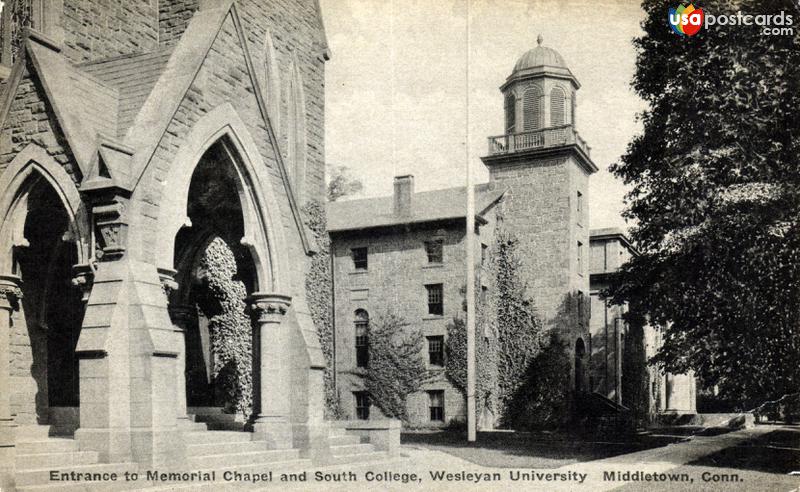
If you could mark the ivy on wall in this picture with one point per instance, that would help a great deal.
(319, 293)
(396, 366)
(485, 363)
(222, 300)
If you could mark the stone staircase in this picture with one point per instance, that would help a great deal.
(347, 448)
(207, 450)
(38, 454)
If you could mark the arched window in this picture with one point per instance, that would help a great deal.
(362, 338)
(558, 107)
(296, 132)
(511, 112)
(272, 81)
(532, 108)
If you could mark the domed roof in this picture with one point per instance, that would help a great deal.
(540, 56)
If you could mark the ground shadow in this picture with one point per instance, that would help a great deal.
(775, 452)
(531, 449)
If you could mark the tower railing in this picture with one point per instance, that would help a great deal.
(537, 139)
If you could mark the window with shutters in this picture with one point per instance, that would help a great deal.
(511, 112)
(557, 107)
(532, 109)
(362, 338)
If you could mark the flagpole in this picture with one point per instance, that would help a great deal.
(470, 245)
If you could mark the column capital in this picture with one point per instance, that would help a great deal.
(82, 279)
(167, 278)
(269, 307)
(10, 291)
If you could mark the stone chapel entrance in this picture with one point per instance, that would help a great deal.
(48, 323)
(215, 274)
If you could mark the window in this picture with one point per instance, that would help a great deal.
(436, 351)
(434, 250)
(579, 205)
(362, 338)
(511, 112)
(484, 293)
(580, 258)
(557, 107)
(532, 109)
(436, 399)
(484, 250)
(362, 404)
(435, 306)
(360, 261)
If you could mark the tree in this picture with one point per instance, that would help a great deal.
(396, 367)
(341, 183)
(715, 178)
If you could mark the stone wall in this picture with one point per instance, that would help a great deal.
(95, 29)
(395, 280)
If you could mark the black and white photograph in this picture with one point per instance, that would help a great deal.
(401, 245)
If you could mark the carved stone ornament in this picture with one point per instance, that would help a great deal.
(269, 307)
(10, 290)
(83, 278)
(168, 283)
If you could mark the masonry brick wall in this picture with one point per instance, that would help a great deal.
(395, 281)
(95, 29)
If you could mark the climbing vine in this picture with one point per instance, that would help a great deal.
(396, 367)
(319, 288)
(222, 301)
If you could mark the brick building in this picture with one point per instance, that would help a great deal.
(404, 254)
(133, 135)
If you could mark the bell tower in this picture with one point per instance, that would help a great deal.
(546, 166)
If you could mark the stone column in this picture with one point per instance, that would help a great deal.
(10, 295)
(182, 317)
(272, 367)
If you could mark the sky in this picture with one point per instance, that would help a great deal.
(402, 97)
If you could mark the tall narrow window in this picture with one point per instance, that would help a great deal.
(579, 204)
(434, 250)
(435, 304)
(296, 133)
(272, 82)
(362, 338)
(436, 351)
(436, 405)
(580, 258)
(511, 112)
(362, 404)
(484, 253)
(532, 108)
(360, 258)
(557, 107)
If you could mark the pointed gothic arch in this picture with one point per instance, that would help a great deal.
(263, 233)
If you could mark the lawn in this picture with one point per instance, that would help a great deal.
(529, 450)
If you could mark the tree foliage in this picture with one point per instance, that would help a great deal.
(396, 367)
(341, 183)
(319, 291)
(222, 301)
(714, 194)
(485, 362)
(520, 334)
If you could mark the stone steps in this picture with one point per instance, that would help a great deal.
(51, 445)
(52, 460)
(216, 437)
(358, 458)
(236, 459)
(344, 440)
(224, 447)
(349, 449)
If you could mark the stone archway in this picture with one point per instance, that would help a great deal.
(42, 240)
